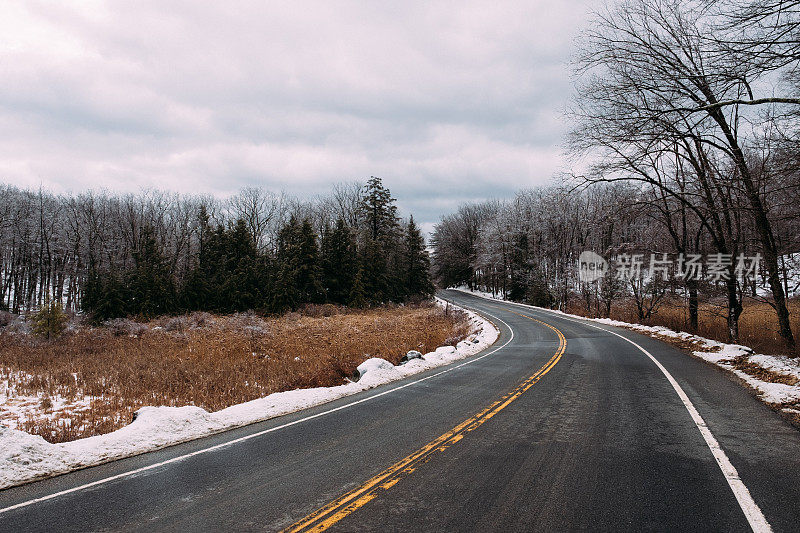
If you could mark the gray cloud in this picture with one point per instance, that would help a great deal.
(446, 101)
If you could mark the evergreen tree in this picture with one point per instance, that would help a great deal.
(105, 295)
(50, 321)
(243, 285)
(197, 288)
(91, 289)
(231, 275)
(537, 292)
(417, 279)
(339, 262)
(374, 272)
(114, 300)
(379, 246)
(519, 267)
(285, 293)
(357, 296)
(373, 263)
(197, 291)
(378, 212)
(150, 284)
(308, 282)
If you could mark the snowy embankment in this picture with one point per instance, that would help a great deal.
(25, 457)
(733, 357)
(780, 386)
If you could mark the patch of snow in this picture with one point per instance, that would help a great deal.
(483, 294)
(778, 363)
(25, 457)
(775, 393)
(15, 407)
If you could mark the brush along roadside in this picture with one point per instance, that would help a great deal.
(24, 457)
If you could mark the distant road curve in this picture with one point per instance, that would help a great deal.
(561, 425)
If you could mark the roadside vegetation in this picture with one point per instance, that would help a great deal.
(189, 300)
(684, 141)
(155, 253)
(91, 380)
(756, 323)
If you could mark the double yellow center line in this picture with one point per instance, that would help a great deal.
(330, 514)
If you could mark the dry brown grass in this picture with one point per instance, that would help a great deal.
(757, 324)
(764, 374)
(228, 360)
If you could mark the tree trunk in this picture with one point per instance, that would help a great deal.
(764, 229)
(734, 310)
(693, 305)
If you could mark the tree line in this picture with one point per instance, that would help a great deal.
(157, 253)
(684, 128)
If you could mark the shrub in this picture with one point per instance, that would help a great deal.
(19, 326)
(243, 358)
(176, 323)
(50, 321)
(6, 318)
(200, 319)
(125, 326)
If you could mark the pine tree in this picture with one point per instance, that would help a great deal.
(243, 286)
(308, 282)
(197, 288)
(378, 212)
(114, 299)
(50, 321)
(105, 295)
(150, 284)
(520, 268)
(379, 243)
(374, 274)
(537, 292)
(231, 275)
(285, 293)
(339, 261)
(357, 297)
(417, 279)
(91, 289)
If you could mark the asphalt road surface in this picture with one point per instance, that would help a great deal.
(559, 426)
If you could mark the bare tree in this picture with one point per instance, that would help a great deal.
(652, 74)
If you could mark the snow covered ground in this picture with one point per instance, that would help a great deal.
(482, 294)
(15, 406)
(25, 457)
(783, 389)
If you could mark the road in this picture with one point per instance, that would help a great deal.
(559, 426)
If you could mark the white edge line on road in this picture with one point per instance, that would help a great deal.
(257, 434)
(752, 512)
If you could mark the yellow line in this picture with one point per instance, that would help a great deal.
(325, 517)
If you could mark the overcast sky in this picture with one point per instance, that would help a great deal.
(446, 102)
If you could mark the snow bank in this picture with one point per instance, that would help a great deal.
(482, 294)
(25, 457)
(724, 355)
(720, 354)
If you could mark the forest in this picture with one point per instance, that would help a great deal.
(157, 253)
(684, 141)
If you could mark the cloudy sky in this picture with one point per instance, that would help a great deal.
(447, 102)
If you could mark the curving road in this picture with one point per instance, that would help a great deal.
(561, 425)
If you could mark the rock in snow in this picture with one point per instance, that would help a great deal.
(412, 354)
